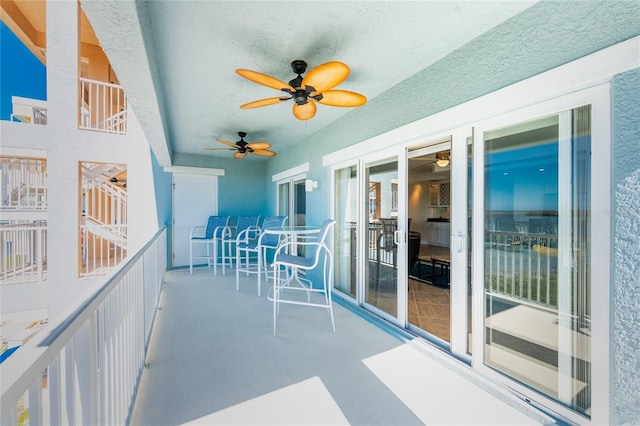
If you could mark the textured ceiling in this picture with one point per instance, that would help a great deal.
(194, 48)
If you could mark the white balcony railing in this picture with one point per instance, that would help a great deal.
(23, 253)
(84, 369)
(103, 107)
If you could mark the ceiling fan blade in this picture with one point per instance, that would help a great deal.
(259, 145)
(264, 152)
(218, 149)
(227, 143)
(239, 155)
(306, 111)
(342, 98)
(265, 80)
(326, 76)
(263, 102)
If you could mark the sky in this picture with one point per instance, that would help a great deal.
(524, 179)
(21, 73)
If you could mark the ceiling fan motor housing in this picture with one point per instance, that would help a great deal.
(299, 66)
(242, 145)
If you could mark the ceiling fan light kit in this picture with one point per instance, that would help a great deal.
(306, 91)
(443, 158)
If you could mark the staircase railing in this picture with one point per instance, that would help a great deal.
(85, 367)
(24, 183)
(103, 107)
(103, 232)
(104, 203)
(103, 248)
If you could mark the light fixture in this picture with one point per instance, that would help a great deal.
(310, 185)
(443, 158)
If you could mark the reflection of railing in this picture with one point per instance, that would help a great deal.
(86, 368)
(23, 253)
(523, 266)
(103, 107)
(381, 247)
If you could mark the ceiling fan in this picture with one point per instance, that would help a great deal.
(441, 158)
(306, 91)
(243, 148)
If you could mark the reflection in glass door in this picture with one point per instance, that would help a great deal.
(381, 266)
(346, 215)
(537, 232)
(292, 200)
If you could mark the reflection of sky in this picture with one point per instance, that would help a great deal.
(21, 73)
(522, 179)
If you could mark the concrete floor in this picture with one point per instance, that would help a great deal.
(213, 359)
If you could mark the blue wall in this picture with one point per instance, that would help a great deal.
(241, 191)
(21, 73)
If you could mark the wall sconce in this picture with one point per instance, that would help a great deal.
(309, 185)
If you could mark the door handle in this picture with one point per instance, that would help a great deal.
(396, 239)
(460, 237)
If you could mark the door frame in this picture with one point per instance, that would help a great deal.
(599, 99)
(201, 207)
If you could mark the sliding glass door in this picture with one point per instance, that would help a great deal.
(536, 254)
(292, 200)
(346, 236)
(395, 254)
(383, 236)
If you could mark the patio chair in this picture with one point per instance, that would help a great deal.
(230, 234)
(251, 253)
(212, 233)
(288, 289)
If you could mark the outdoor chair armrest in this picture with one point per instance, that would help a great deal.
(243, 236)
(196, 228)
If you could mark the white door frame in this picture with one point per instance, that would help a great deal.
(194, 198)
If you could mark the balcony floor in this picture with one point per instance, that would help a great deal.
(213, 359)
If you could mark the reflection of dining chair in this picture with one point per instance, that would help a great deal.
(230, 233)
(284, 289)
(386, 242)
(256, 249)
(212, 233)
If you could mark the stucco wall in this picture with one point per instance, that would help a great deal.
(625, 288)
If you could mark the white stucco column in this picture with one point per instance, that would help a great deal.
(62, 164)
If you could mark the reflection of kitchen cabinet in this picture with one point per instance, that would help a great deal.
(439, 194)
(438, 233)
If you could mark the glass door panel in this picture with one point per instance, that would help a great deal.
(346, 215)
(429, 257)
(381, 265)
(283, 198)
(536, 248)
(299, 204)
